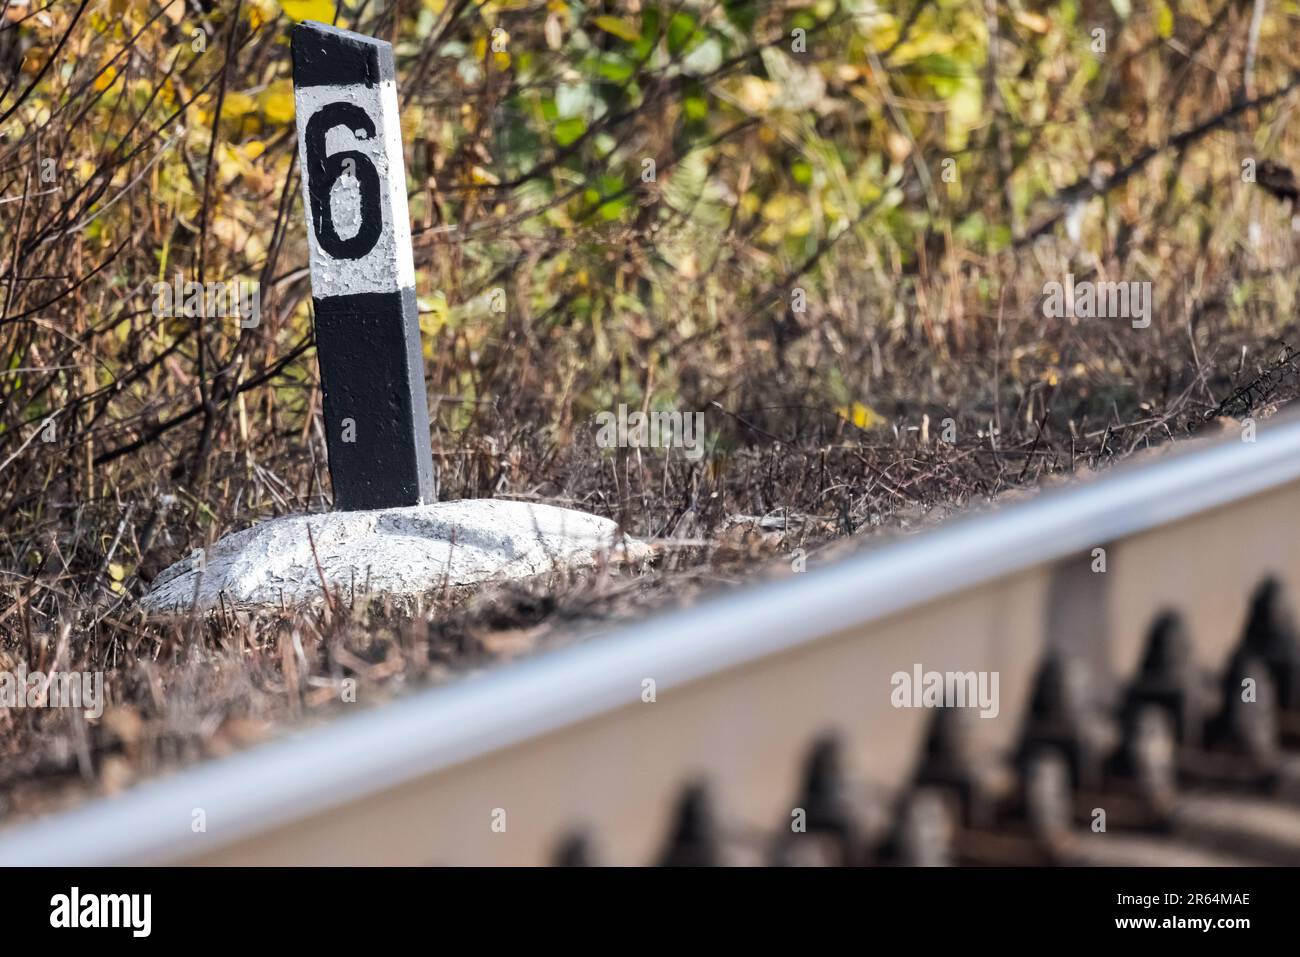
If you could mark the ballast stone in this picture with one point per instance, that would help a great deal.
(393, 551)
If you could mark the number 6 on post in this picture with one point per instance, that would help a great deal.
(362, 273)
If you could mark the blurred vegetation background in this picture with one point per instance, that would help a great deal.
(824, 223)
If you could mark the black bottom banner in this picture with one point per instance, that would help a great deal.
(336, 907)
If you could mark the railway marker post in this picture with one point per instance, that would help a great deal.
(386, 535)
(362, 271)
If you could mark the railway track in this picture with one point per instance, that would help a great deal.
(1141, 714)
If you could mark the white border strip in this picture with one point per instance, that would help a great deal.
(349, 758)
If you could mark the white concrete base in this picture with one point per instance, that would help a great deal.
(396, 552)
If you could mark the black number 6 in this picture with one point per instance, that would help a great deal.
(323, 171)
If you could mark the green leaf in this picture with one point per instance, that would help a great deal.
(615, 68)
(614, 208)
(743, 13)
(681, 28)
(649, 34)
(971, 229)
(618, 27)
(568, 131)
(695, 107)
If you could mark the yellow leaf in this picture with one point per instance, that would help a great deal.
(620, 28)
(105, 79)
(863, 416)
(1164, 20)
(434, 313)
(116, 571)
(276, 102)
(322, 10)
(230, 163)
(236, 105)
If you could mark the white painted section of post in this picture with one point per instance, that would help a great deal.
(389, 266)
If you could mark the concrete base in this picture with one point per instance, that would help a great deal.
(395, 552)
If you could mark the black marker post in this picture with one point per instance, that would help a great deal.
(362, 273)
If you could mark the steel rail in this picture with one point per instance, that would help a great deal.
(319, 768)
